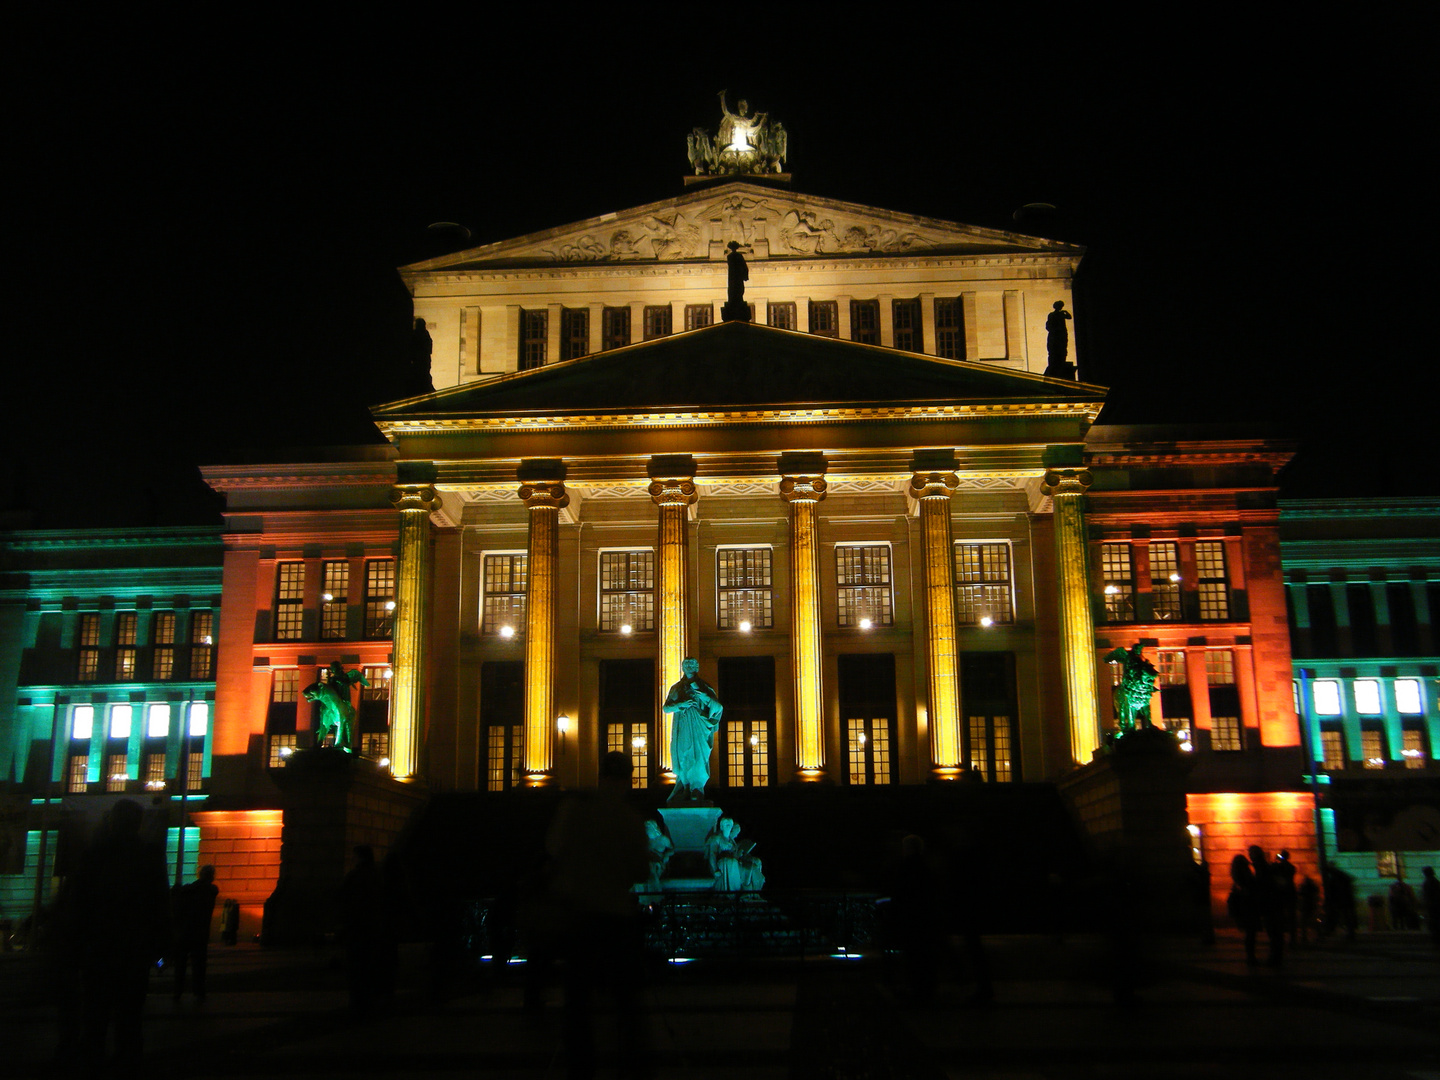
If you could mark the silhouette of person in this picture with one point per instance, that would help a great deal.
(1057, 341)
(1340, 907)
(194, 906)
(116, 917)
(1430, 896)
(1285, 893)
(598, 845)
(1269, 904)
(1308, 906)
(1242, 904)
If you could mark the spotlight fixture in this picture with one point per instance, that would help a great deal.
(744, 626)
(986, 620)
(507, 632)
(625, 628)
(865, 623)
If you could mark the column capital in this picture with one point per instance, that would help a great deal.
(544, 494)
(1066, 482)
(419, 497)
(933, 485)
(673, 491)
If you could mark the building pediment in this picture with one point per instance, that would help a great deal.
(766, 222)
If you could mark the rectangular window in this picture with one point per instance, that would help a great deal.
(1412, 748)
(199, 719)
(950, 329)
(1170, 663)
(657, 321)
(289, 601)
(862, 575)
(1174, 683)
(88, 641)
(157, 721)
(195, 774)
(631, 739)
(116, 773)
(781, 316)
(503, 611)
(1367, 697)
(375, 745)
(154, 772)
(1332, 750)
(534, 329)
(743, 587)
(1372, 749)
(982, 584)
(825, 318)
(1220, 667)
(202, 645)
(334, 599)
(1118, 571)
(615, 327)
(574, 333)
(281, 747)
(1407, 697)
(1214, 587)
(78, 774)
(990, 747)
(869, 750)
(865, 321)
(627, 591)
(747, 754)
(905, 315)
(285, 685)
(125, 651)
(698, 315)
(82, 722)
(502, 756)
(379, 598)
(1327, 697)
(162, 633)
(120, 721)
(1225, 733)
(1164, 582)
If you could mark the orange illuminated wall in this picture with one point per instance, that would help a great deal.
(244, 848)
(1231, 821)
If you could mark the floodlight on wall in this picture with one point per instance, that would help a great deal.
(744, 626)
(327, 597)
(389, 605)
(986, 620)
(507, 632)
(384, 763)
(865, 623)
(1175, 578)
(625, 628)
(562, 723)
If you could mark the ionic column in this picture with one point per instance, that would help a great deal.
(672, 489)
(412, 616)
(1067, 487)
(802, 485)
(933, 490)
(544, 493)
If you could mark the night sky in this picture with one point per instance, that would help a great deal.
(204, 239)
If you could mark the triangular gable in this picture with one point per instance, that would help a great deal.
(769, 223)
(738, 367)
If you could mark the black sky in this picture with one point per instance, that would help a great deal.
(204, 241)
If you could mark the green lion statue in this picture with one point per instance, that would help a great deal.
(1137, 684)
(337, 714)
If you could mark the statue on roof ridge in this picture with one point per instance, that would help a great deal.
(744, 144)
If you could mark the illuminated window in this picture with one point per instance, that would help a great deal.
(743, 589)
(1164, 582)
(503, 607)
(982, 584)
(905, 315)
(657, 321)
(162, 633)
(862, 575)
(990, 747)
(1407, 697)
(285, 685)
(120, 721)
(125, 651)
(502, 756)
(1225, 726)
(1372, 749)
(375, 745)
(116, 773)
(1170, 663)
(865, 321)
(82, 722)
(199, 719)
(195, 774)
(534, 329)
(202, 645)
(782, 316)
(1214, 587)
(377, 683)
(574, 333)
(157, 721)
(747, 753)
(1118, 572)
(614, 327)
(950, 329)
(1225, 733)
(88, 640)
(825, 318)
(1220, 667)
(289, 601)
(698, 315)
(334, 599)
(1367, 697)
(1412, 748)
(154, 771)
(627, 591)
(1327, 697)
(1332, 750)
(281, 747)
(868, 746)
(1174, 684)
(379, 598)
(78, 775)
(632, 739)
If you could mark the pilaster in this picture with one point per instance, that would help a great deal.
(672, 489)
(542, 487)
(802, 485)
(412, 618)
(1067, 488)
(932, 490)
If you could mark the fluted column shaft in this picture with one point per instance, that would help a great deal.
(673, 495)
(1077, 627)
(933, 490)
(803, 493)
(412, 617)
(544, 498)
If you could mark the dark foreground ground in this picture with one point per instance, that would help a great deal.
(1369, 1009)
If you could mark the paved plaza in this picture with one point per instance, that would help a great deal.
(1369, 1009)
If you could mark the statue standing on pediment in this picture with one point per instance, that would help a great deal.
(1057, 343)
(743, 144)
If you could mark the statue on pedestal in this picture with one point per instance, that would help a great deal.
(661, 852)
(1137, 683)
(744, 144)
(337, 714)
(735, 309)
(735, 869)
(1057, 343)
(696, 710)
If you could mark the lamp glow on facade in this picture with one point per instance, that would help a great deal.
(986, 620)
(562, 723)
(865, 623)
(507, 631)
(626, 628)
(744, 626)
(638, 742)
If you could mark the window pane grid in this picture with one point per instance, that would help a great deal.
(533, 332)
(982, 575)
(202, 648)
(1225, 733)
(748, 756)
(865, 321)
(632, 739)
(506, 580)
(1372, 749)
(1164, 582)
(335, 592)
(627, 590)
(825, 318)
(574, 333)
(863, 577)
(781, 316)
(698, 315)
(906, 315)
(1213, 586)
(281, 747)
(289, 600)
(1170, 663)
(615, 327)
(1332, 750)
(78, 775)
(116, 776)
(744, 588)
(379, 597)
(1412, 748)
(1117, 571)
(657, 321)
(285, 685)
(949, 329)
(1220, 667)
(88, 638)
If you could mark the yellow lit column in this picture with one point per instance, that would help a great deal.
(673, 494)
(544, 497)
(1067, 487)
(933, 490)
(412, 617)
(803, 491)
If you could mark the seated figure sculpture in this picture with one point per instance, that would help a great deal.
(731, 861)
(661, 849)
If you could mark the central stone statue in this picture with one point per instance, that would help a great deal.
(696, 710)
(744, 144)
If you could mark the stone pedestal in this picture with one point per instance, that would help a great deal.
(332, 801)
(688, 827)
